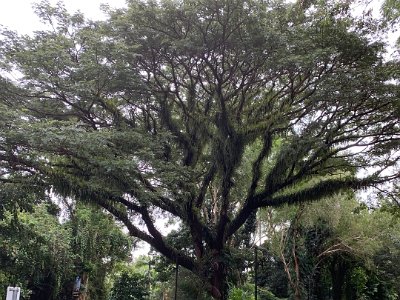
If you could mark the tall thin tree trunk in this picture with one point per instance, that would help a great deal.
(294, 281)
(338, 272)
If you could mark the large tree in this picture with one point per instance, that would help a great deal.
(199, 111)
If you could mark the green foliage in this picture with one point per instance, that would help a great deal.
(246, 292)
(240, 293)
(130, 286)
(358, 280)
(36, 254)
(391, 9)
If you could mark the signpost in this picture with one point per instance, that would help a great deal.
(13, 293)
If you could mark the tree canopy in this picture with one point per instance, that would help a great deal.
(198, 111)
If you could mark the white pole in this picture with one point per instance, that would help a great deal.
(13, 293)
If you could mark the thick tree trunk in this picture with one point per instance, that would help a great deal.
(219, 287)
(218, 281)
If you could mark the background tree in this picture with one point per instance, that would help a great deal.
(332, 250)
(35, 254)
(391, 10)
(97, 244)
(199, 111)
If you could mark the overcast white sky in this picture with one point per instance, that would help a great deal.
(18, 14)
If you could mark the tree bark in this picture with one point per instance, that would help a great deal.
(85, 282)
(218, 281)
